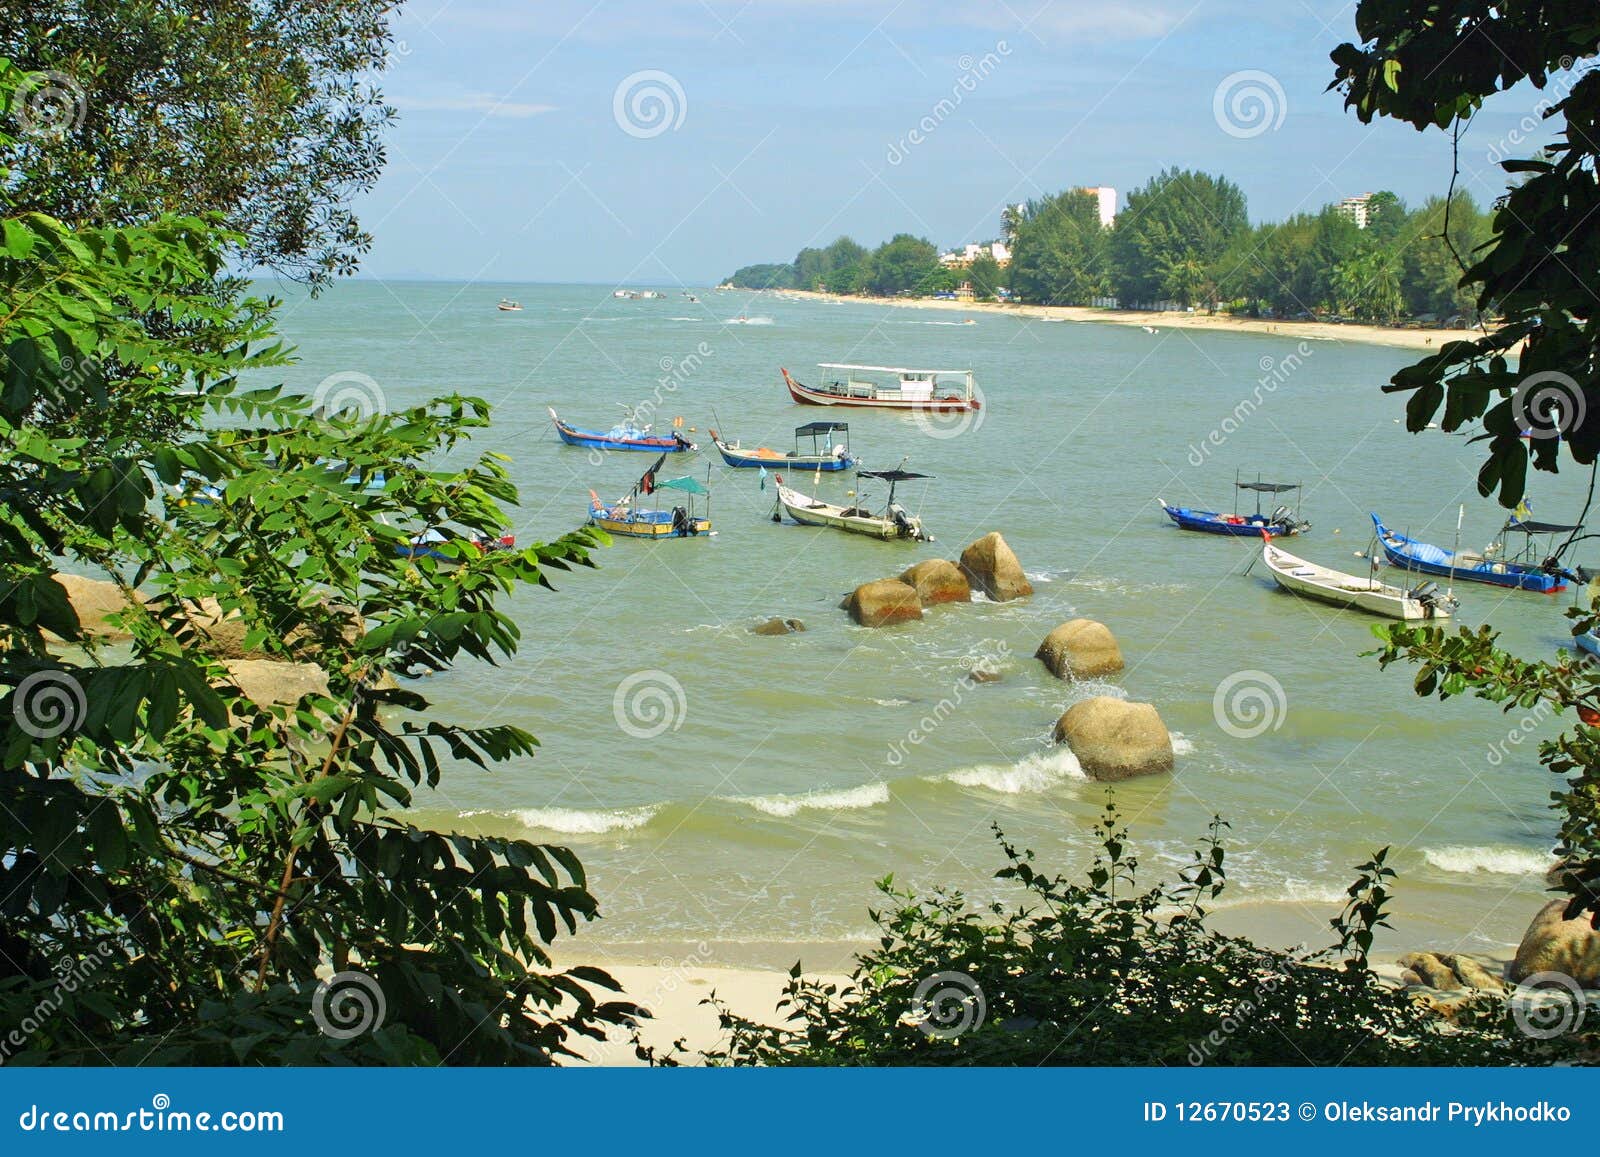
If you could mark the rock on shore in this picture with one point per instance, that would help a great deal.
(1114, 739)
(1555, 944)
(992, 567)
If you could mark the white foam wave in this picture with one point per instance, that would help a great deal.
(747, 321)
(893, 702)
(844, 799)
(1500, 861)
(1182, 744)
(1035, 772)
(576, 822)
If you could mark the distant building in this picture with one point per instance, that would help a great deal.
(967, 254)
(1106, 196)
(1357, 209)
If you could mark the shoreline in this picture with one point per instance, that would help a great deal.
(1422, 340)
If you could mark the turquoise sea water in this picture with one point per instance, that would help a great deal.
(732, 788)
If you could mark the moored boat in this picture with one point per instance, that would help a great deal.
(623, 436)
(923, 390)
(1308, 579)
(1281, 522)
(629, 518)
(508, 306)
(1409, 554)
(825, 454)
(446, 547)
(893, 522)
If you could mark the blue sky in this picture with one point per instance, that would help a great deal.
(519, 156)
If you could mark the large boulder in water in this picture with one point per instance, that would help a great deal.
(938, 580)
(94, 600)
(990, 566)
(881, 603)
(1115, 739)
(1553, 943)
(266, 681)
(1081, 649)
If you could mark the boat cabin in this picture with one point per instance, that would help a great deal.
(908, 385)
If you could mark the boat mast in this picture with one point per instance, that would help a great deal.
(1450, 587)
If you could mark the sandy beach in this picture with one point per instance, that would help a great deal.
(1412, 339)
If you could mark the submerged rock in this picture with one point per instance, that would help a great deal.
(1081, 649)
(1555, 944)
(267, 681)
(990, 566)
(882, 603)
(94, 600)
(1114, 739)
(938, 580)
(776, 626)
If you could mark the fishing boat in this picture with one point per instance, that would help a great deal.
(1523, 574)
(825, 452)
(923, 390)
(1299, 577)
(1588, 643)
(628, 517)
(509, 306)
(444, 546)
(891, 523)
(1281, 522)
(626, 435)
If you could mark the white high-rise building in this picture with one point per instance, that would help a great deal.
(1357, 209)
(1107, 198)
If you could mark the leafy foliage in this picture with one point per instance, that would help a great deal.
(1099, 972)
(1435, 68)
(216, 853)
(1060, 254)
(264, 112)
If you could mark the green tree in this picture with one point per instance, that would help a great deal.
(986, 276)
(1173, 230)
(770, 276)
(209, 851)
(902, 265)
(1438, 239)
(1059, 256)
(264, 112)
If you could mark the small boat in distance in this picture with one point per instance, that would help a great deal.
(1522, 573)
(1299, 577)
(508, 306)
(825, 453)
(626, 435)
(446, 547)
(1280, 523)
(894, 521)
(627, 517)
(923, 390)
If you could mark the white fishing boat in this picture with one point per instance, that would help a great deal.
(894, 521)
(936, 391)
(1370, 594)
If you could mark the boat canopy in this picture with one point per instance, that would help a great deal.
(889, 475)
(811, 429)
(685, 483)
(1540, 527)
(885, 369)
(1268, 487)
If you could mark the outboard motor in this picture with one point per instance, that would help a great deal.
(681, 523)
(902, 521)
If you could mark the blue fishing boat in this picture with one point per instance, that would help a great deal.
(1520, 571)
(1588, 643)
(1280, 522)
(623, 436)
(445, 546)
(826, 453)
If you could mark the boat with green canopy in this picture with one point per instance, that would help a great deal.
(628, 517)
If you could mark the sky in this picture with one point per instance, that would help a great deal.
(669, 142)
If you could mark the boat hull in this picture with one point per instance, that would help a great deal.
(809, 397)
(1402, 552)
(1210, 522)
(809, 512)
(592, 440)
(648, 524)
(828, 463)
(1588, 643)
(1352, 592)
